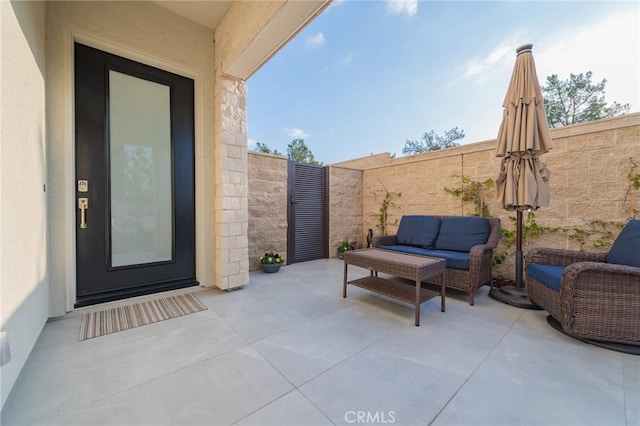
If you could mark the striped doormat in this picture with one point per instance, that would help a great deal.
(101, 323)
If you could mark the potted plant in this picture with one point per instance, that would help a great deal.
(345, 246)
(271, 262)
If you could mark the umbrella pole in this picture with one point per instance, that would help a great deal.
(519, 249)
(515, 295)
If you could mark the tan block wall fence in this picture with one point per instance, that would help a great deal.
(589, 164)
(345, 207)
(267, 206)
(267, 192)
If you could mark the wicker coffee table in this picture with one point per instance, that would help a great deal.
(412, 267)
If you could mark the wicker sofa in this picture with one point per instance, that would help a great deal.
(466, 243)
(591, 296)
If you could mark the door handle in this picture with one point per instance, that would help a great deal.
(292, 200)
(83, 205)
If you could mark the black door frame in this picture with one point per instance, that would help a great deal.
(146, 278)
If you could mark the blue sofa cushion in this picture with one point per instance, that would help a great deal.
(626, 248)
(462, 233)
(453, 259)
(418, 231)
(549, 275)
(405, 249)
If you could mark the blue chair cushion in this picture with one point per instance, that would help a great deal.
(626, 248)
(549, 275)
(453, 259)
(462, 233)
(418, 231)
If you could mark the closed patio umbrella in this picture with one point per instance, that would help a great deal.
(523, 182)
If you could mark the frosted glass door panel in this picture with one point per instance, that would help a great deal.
(140, 156)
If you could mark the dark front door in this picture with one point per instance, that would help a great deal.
(307, 214)
(135, 222)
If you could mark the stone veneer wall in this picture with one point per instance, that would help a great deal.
(345, 207)
(267, 206)
(231, 204)
(588, 163)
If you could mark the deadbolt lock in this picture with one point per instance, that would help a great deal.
(83, 186)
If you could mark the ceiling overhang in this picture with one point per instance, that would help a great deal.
(206, 13)
(282, 27)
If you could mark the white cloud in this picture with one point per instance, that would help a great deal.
(398, 7)
(316, 40)
(498, 54)
(295, 133)
(473, 69)
(347, 59)
(610, 49)
(334, 4)
(251, 143)
(496, 57)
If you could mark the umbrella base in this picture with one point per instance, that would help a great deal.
(513, 296)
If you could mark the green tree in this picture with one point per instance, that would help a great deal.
(432, 142)
(261, 147)
(576, 100)
(298, 151)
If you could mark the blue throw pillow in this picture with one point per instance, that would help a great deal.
(418, 231)
(462, 233)
(626, 248)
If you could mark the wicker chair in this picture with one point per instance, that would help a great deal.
(597, 300)
(480, 262)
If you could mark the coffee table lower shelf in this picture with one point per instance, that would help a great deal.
(417, 269)
(394, 289)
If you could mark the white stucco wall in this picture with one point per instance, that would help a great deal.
(24, 286)
(148, 33)
(37, 249)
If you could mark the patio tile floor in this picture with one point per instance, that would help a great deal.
(289, 350)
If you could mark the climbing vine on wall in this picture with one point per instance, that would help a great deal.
(473, 191)
(633, 188)
(530, 229)
(383, 212)
(596, 234)
(599, 234)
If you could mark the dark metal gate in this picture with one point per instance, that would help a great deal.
(308, 230)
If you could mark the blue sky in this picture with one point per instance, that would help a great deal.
(364, 76)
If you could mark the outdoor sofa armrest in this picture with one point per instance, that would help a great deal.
(494, 233)
(384, 240)
(601, 299)
(610, 278)
(560, 257)
(478, 251)
(480, 258)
